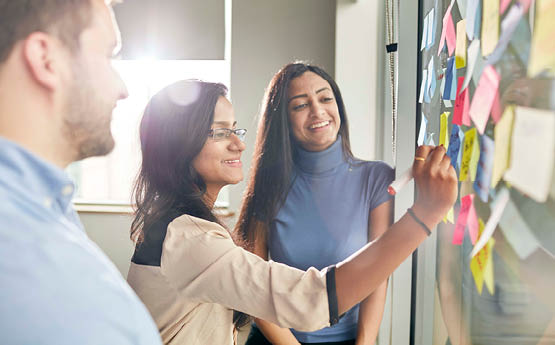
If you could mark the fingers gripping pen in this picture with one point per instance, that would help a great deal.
(400, 182)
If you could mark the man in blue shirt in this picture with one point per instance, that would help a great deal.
(57, 93)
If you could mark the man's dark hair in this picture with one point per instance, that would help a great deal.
(65, 19)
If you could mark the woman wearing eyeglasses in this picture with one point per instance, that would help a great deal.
(187, 268)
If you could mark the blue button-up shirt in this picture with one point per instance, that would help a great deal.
(56, 285)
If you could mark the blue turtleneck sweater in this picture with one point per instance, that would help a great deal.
(325, 219)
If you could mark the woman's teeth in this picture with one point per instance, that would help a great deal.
(319, 124)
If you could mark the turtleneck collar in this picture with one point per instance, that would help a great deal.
(320, 161)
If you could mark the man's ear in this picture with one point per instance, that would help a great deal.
(41, 53)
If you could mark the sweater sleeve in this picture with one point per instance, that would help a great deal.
(200, 259)
(379, 178)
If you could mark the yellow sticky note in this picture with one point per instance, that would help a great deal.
(460, 50)
(450, 216)
(481, 265)
(444, 130)
(502, 135)
(471, 155)
(542, 50)
(490, 26)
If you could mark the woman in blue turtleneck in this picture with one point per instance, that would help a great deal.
(309, 202)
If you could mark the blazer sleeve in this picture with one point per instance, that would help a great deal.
(202, 262)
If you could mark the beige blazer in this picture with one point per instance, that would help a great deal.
(203, 276)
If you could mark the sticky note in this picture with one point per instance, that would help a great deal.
(520, 41)
(431, 80)
(424, 42)
(472, 55)
(481, 265)
(460, 50)
(471, 13)
(462, 7)
(458, 234)
(508, 26)
(496, 108)
(431, 28)
(517, 232)
(430, 139)
(542, 51)
(485, 166)
(422, 132)
(478, 69)
(448, 78)
(490, 26)
(483, 98)
(447, 32)
(471, 155)
(532, 153)
(454, 146)
(502, 136)
(450, 216)
(478, 21)
(462, 106)
(472, 222)
(503, 6)
(444, 130)
(497, 208)
(423, 86)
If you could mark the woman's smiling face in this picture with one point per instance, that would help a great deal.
(313, 112)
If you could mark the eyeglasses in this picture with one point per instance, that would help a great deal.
(224, 133)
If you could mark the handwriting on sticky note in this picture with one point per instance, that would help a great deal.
(485, 165)
(542, 53)
(454, 146)
(532, 154)
(460, 102)
(490, 26)
(460, 50)
(444, 130)
(471, 155)
(481, 265)
(484, 97)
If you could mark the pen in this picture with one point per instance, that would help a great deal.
(399, 183)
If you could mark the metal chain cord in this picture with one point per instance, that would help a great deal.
(392, 17)
(392, 20)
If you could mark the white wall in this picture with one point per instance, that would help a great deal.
(359, 72)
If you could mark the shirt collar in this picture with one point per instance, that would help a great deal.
(320, 161)
(34, 178)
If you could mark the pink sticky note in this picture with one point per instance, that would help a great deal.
(466, 107)
(458, 235)
(459, 103)
(448, 28)
(450, 35)
(496, 108)
(503, 6)
(472, 221)
(484, 97)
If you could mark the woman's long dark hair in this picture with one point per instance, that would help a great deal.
(173, 131)
(271, 169)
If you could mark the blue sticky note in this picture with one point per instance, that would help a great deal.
(478, 20)
(422, 132)
(485, 166)
(454, 146)
(449, 77)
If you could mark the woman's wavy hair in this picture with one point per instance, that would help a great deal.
(173, 131)
(271, 169)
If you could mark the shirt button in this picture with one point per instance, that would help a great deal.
(67, 190)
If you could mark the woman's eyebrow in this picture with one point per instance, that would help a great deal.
(305, 95)
(224, 123)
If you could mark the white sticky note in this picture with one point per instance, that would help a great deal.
(532, 152)
(473, 52)
(517, 232)
(422, 132)
(497, 208)
(424, 33)
(471, 11)
(423, 86)
(431, 28)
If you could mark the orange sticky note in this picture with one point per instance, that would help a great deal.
(484, 97)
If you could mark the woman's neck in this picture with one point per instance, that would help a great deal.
(211, 195)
